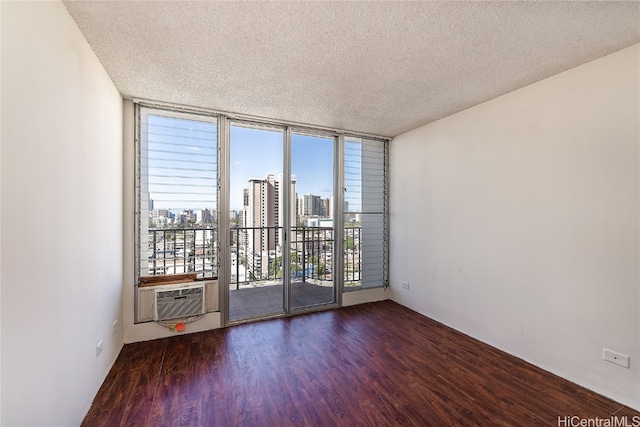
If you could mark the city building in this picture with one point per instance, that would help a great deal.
(205, 216)
(311, 205)
(158, 214)
(262, 214)
(260, 211)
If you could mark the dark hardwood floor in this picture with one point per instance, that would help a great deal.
(372, 364)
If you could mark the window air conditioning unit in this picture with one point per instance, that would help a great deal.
(146, 303)
(179, 302)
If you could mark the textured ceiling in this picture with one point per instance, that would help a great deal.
(381, 68)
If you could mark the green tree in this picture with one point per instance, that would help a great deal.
(295, 264)
(349, 243)
(275, 266)
(318, 266)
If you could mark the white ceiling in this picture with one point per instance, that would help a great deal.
(381, 68)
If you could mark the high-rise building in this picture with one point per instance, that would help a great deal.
(205, 216)
(156, 214)
(262, 217)
(186, 217)
(260, 213)
(263, 213)
(312, 205)
(326, 209)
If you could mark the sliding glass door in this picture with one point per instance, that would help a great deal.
(312, 222)
(281, 231)
(256, 234)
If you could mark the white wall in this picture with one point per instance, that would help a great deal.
(517, 222)
(61, 218)
(364, 296)
(0, 220)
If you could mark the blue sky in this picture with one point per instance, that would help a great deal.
(182, 163)
(182, 169)
(257, 152)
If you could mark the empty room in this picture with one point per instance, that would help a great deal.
(319, 213)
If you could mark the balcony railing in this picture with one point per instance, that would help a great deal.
(183, 250)
(352, 256)
(256, 254)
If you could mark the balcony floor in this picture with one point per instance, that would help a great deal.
(267, 299)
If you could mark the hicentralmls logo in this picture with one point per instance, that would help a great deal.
(613, 421)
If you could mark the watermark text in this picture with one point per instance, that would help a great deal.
(612, 421)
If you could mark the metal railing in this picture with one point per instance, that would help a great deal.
(183, 250)
(256, 254)
(352, 256)
(313, 247)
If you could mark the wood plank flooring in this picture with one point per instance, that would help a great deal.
(368, 365)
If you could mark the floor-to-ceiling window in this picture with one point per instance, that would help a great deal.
(289, 216)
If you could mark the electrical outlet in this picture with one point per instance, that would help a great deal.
(114, 327)
(617, 358)
(99, 348)
(405, 285)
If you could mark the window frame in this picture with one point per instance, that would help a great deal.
(222, 120)
(140, 109)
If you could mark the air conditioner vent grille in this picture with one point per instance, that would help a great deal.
(175, 303)
(147, 297)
